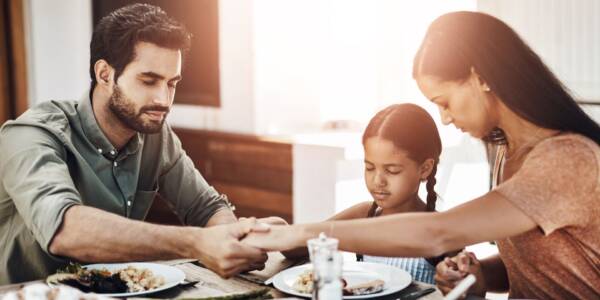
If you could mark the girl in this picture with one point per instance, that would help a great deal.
(402, 149)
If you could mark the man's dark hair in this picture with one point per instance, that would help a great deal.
(116, 35)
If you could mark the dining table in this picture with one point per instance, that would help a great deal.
(202, 283)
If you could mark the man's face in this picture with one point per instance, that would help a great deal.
(144, 93)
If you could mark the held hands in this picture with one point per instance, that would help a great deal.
(451, 271)
(267, 240)
(219, 247)
(279, 237)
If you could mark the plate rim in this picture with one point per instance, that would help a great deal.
(278, 280)
(141, 264)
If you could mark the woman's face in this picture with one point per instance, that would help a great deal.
(391, 176)
(468, 104)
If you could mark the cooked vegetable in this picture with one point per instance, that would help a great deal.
(130, 279)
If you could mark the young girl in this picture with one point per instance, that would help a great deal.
(402, 148)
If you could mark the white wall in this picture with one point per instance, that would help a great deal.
(316, 59)
(58, 48)
(565, 33)
(290, 38)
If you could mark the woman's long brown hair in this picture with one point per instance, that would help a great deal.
(458, 41)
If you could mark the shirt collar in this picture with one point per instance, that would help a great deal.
(95, 135)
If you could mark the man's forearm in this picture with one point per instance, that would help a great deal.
(93, 235)
(222, 216)
(494, 272)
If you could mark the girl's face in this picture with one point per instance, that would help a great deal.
(391, 176)
(469, 104)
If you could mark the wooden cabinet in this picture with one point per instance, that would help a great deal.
(255, 173)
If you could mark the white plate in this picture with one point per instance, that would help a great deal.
(354, 273)
(171, 275)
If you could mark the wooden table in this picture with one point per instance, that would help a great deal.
(211, 285)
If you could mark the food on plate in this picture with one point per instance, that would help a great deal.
(365, 288)
(140, 279)
(130, 279)
(304, 284)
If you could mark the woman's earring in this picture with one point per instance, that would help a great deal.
(486, 89)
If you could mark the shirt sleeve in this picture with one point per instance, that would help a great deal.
(34, 173)
(557, 184)
(182, 185)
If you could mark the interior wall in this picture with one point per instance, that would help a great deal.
(566, 34)
(58, 39)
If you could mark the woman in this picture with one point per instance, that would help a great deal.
(543, 209)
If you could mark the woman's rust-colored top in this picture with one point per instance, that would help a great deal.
(557, 186)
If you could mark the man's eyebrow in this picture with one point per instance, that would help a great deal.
(152, 75)
(159, 77)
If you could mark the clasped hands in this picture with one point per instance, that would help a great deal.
(452, 270)
(230, 249)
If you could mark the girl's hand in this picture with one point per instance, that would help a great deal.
(451, 271)
(447, 275)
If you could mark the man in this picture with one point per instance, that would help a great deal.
(76, 177)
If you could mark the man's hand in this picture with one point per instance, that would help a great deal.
(219, 248)
(451, 271)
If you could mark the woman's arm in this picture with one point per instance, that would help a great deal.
(489, 217)
(357, 211)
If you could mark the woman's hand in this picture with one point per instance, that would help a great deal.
(451, 271)
(277, 238)
(272, 220)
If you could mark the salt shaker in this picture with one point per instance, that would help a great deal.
(321, 243)
(327, 276)
(327, 268)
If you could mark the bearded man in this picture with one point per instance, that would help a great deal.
(77, 178)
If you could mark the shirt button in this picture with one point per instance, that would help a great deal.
(115, 164)
(100, 150)
(112, 152)
(128, 203)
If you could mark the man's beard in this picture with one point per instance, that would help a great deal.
(124, 109)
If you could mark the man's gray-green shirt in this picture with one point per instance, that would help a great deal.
(55, 156)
